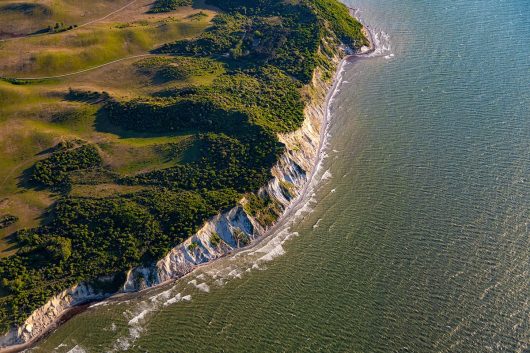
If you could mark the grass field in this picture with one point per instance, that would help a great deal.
(36, 115)
(96, 44)
(19, 18)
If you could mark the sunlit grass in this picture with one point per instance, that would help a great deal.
(74, 51)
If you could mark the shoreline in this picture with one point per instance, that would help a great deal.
(287, 214)
(298, 201)
(63, 318)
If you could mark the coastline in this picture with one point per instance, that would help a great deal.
(259, 234)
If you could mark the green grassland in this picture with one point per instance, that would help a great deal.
(90, 46)
(109, 168)
(27, 17)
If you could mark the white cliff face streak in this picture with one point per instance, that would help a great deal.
(236, 228)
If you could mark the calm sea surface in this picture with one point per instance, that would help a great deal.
(417, 237)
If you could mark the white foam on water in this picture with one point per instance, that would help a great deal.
(103, 303)
(77, 349)
(124, 343)
(278, 250)
(163, 295)
(233, 273)
(173, 300)
(327, 175)
(135, 331)
(290, 235)
(145, 307)
(316, 225)
(382, 45)
(135, 320)
(301, 211)
(186, 298)
(203, 287)
(59, 346)
(220, 282)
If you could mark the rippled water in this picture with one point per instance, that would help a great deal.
(417, 237)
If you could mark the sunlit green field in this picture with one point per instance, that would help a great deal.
(26, 17)
(36, 115)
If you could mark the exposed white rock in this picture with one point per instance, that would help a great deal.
(44, 317)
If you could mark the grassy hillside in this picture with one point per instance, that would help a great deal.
(18, 18)
(93, 45)
(128, 160)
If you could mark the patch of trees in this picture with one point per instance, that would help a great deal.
(177, 68)
(27, 8)
(89, 238)
(242, 164)
(265, 210)
(87, 96)
(168, 5)
(197, 16)
(289, 42)
(215, 239)
(7, 220)
(338, 16)
(263, 96)
(60, 27)
(199, 112)
(274, 32)
(53, 171)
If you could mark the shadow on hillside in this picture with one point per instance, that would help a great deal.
(102, 124)
(25, 179)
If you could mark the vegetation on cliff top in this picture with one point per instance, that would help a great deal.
(249, 69)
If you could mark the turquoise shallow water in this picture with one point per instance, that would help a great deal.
(417, 238)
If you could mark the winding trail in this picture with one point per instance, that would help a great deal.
(77, 72)
(70, 30)
(105, 17)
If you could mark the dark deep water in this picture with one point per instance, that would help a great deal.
(418, 236)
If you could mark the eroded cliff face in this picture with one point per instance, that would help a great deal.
(222, 234)
(46, 315)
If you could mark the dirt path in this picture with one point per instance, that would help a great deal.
(77, 72)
